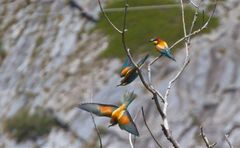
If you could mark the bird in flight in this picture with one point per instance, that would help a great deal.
(129, 71)
(118, 114)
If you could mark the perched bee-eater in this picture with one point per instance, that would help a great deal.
(162, 47)
(118, 114)
(129, 71)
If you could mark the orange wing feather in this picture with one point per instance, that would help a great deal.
(124, 120)
(98, 109)
(106, 110)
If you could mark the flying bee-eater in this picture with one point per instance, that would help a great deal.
(118, 114)
(129, 71)
(162, 47)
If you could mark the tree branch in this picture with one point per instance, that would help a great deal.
(107, 18)
(94, 123)
(198, 30)
(205, 139)
(228, 141)
(145, 122)
(98, 133)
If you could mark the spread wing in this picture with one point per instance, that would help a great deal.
(126, 123)
(143, 60)
(129, 77)
(127, 65)
(98, 109)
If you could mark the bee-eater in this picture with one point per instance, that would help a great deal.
(162, 47)
(129, 71)
(118, 114)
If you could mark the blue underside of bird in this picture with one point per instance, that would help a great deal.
(129, 78)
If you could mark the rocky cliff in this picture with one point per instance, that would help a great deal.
(51, 61)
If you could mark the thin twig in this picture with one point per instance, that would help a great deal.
(98, 133)
(194, 20)
(150, 76)
(183, 18)
(195, 5)
(205, 139)
(145, 122)
(198, 30)
(107, 18)
(187, 53)
(187, 42)
(130, 140)
(94, 123)
(228, 141)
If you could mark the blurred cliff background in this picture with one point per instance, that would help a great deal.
(55, 54)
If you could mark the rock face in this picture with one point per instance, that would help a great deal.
(52, 62)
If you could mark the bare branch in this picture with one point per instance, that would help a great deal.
(187, 59)
(196, 31)
(130, 140)
(233, 128)
(194, 20)
(107, 18)
(228, 141)
(150, 76)
(195, 5)
(145, 122)
(98, 133)
(183, 19)
(187, 42)
(94, 123)
(205, 139)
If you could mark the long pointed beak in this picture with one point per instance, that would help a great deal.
(151, 40)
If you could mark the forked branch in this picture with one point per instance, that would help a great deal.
(205, 139)
(156, 94)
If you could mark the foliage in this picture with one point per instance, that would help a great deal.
(145, 24)
(23, 126)
(3, 53)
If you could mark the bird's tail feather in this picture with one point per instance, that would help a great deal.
(143, 60)
(128, 98)
(167, 53)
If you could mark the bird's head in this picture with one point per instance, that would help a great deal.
(112, 122)
(160, 42)
(155, 40)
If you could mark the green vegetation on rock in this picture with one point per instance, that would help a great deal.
(23, 126)
(145, 24)
(3, 53)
